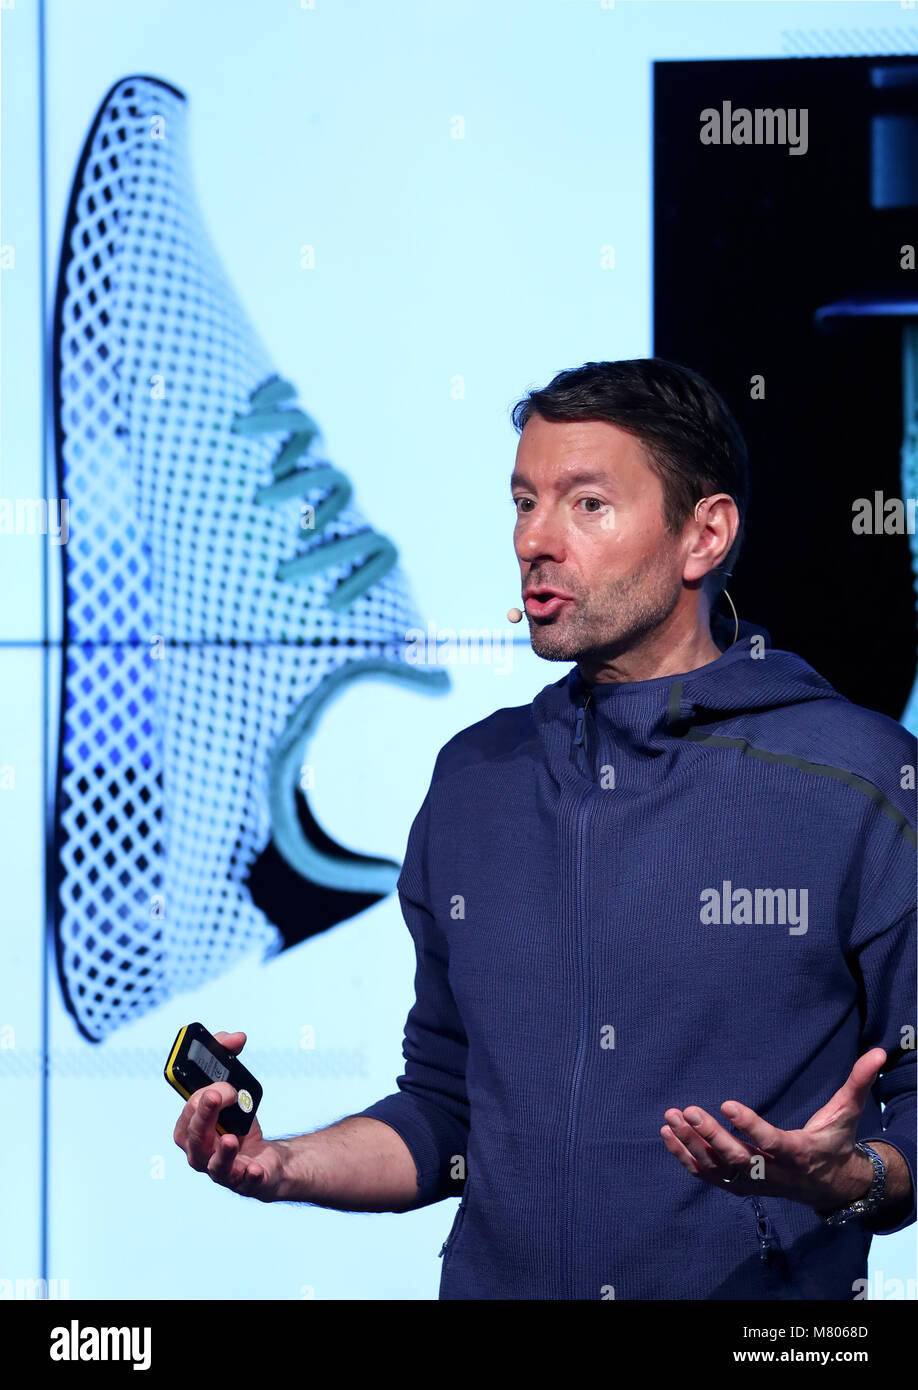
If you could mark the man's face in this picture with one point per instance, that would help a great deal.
(590, 524)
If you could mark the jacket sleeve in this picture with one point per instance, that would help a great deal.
(887, 969)
(430, 1110)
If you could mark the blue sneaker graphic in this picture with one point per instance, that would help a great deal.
(220, 586)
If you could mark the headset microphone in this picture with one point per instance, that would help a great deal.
(515, 616)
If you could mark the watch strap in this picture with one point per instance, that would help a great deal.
(874, 1196)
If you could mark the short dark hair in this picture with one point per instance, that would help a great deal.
(690, 439)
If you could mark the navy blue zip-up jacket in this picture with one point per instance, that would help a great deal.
(677, 891)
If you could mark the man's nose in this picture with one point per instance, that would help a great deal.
(539, 533)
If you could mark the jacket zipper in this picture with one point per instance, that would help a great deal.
(455, 1228)
(766, 1232)
(581, 713)
(765, 1229)
(581, 812)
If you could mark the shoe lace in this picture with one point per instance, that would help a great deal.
(267, 414)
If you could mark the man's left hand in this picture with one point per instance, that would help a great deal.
(817, 1165)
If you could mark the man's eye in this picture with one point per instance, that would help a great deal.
(517, 500)
(597, 500)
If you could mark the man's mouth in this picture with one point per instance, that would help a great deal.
(544, 604)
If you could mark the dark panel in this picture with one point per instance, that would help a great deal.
(750, 242)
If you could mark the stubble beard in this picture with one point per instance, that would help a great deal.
(606, 625)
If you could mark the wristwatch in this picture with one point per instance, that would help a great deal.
(864, 1205)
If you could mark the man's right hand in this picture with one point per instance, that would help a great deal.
(251, 1165)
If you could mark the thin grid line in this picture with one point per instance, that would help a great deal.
(188, 644)
(46, 683)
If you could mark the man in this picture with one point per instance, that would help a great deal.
(664, 917)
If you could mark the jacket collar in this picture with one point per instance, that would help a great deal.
(638, 716)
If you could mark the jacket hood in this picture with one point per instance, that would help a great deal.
(749, 676)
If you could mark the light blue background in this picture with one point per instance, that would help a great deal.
(451, 275)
